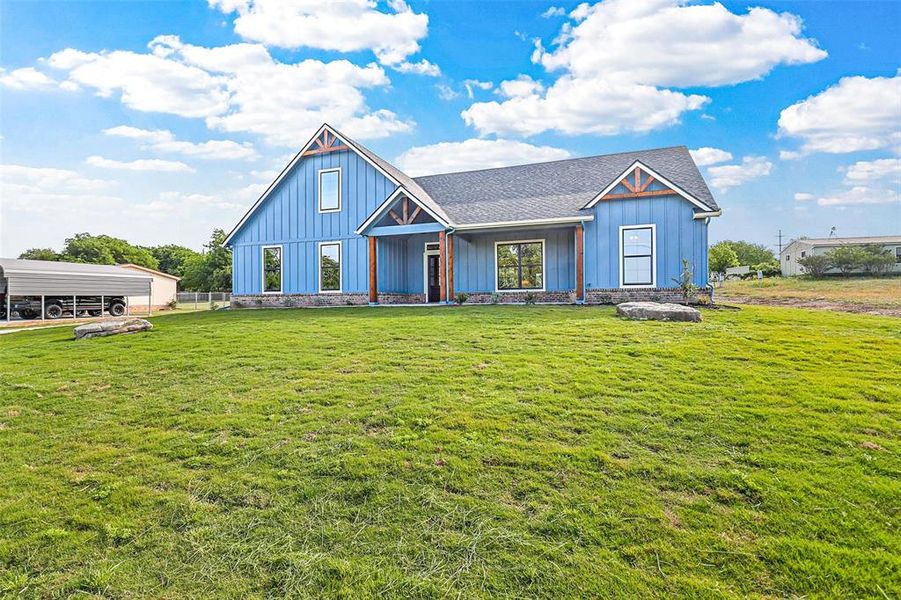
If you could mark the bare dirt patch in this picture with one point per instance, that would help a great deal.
(819, 304)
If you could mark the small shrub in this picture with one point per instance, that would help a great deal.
(172, 304)
(685, 281)
(847, 258)
(768, 269)
(495, 298)
(815, 264)
(529, 298)
(462, 297)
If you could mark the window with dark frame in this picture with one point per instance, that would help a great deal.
(638, 256)
(520, 266)
(272, 269)
(330, 268)
(898, 254)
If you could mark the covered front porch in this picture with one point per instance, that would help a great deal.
(431, 263)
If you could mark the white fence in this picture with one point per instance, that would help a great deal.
(201, 300)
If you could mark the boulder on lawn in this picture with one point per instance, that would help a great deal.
(654, 311)
(104, 328)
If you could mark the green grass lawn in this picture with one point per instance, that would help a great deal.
(553, 452)
(873, 291)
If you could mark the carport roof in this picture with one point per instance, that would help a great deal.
(17, 266)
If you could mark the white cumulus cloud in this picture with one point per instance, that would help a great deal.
(237, 88)
(857, 113)
(346, 26)
(164, 141)
(522, 86)
(143, 164)
(725, 177)
(446, 157)
(874, 170)
(617, 58)
(26, 78)
(709, 156)
(861, 195)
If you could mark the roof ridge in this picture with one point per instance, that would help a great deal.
(550, 162)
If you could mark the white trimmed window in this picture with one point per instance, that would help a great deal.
(272, 269)
(637, 260)
(519, 265)
(330, 267)
(330, 190)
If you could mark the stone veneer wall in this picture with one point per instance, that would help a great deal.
(554, 297)
(592, 296)
(301, 300)
(618, 295)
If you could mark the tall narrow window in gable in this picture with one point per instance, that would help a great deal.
(637, 256)
(330, 190)
(272, 269)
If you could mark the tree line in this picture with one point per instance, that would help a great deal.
(872, 259)
(210, 270)
(727, 254)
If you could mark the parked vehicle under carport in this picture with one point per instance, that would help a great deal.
(57, 307)
(32, 289)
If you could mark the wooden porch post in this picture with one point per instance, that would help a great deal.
(580, 263)
(373, 270)
(450, 267)
(442, 267)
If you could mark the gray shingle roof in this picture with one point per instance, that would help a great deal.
(405, 180)
(552, 189)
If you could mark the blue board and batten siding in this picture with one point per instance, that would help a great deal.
(679, 236)
(475, 259)
(290, 217)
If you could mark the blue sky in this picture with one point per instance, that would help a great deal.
(159, 121)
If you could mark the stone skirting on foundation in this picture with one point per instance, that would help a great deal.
(302, 300)
(592, 296)
(550, 297)
(298, 300)
(618, 296)
(398, 298)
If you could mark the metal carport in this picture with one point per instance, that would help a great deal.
(62, 279)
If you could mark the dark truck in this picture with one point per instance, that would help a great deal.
(58, 306)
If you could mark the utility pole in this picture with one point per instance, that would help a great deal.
(780, 242)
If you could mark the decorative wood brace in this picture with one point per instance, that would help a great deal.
(324, 144)
(637, 183)
(408, 217)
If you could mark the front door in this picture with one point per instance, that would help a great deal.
(432, 290)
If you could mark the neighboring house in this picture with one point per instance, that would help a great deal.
(162, 292)
(341, 225)
(803, 247)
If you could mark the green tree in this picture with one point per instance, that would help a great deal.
(106, 250)
(878, 260)
(720, 257)
(212, 270)
(751, 254)
(815, 264)
(847, 258)
(40, 254)
(173, 259)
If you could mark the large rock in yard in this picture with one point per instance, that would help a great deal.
(104, 328)
(653, 311)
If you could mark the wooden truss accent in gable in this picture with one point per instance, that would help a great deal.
(408, 217)
(637, 182)
(325, 143)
